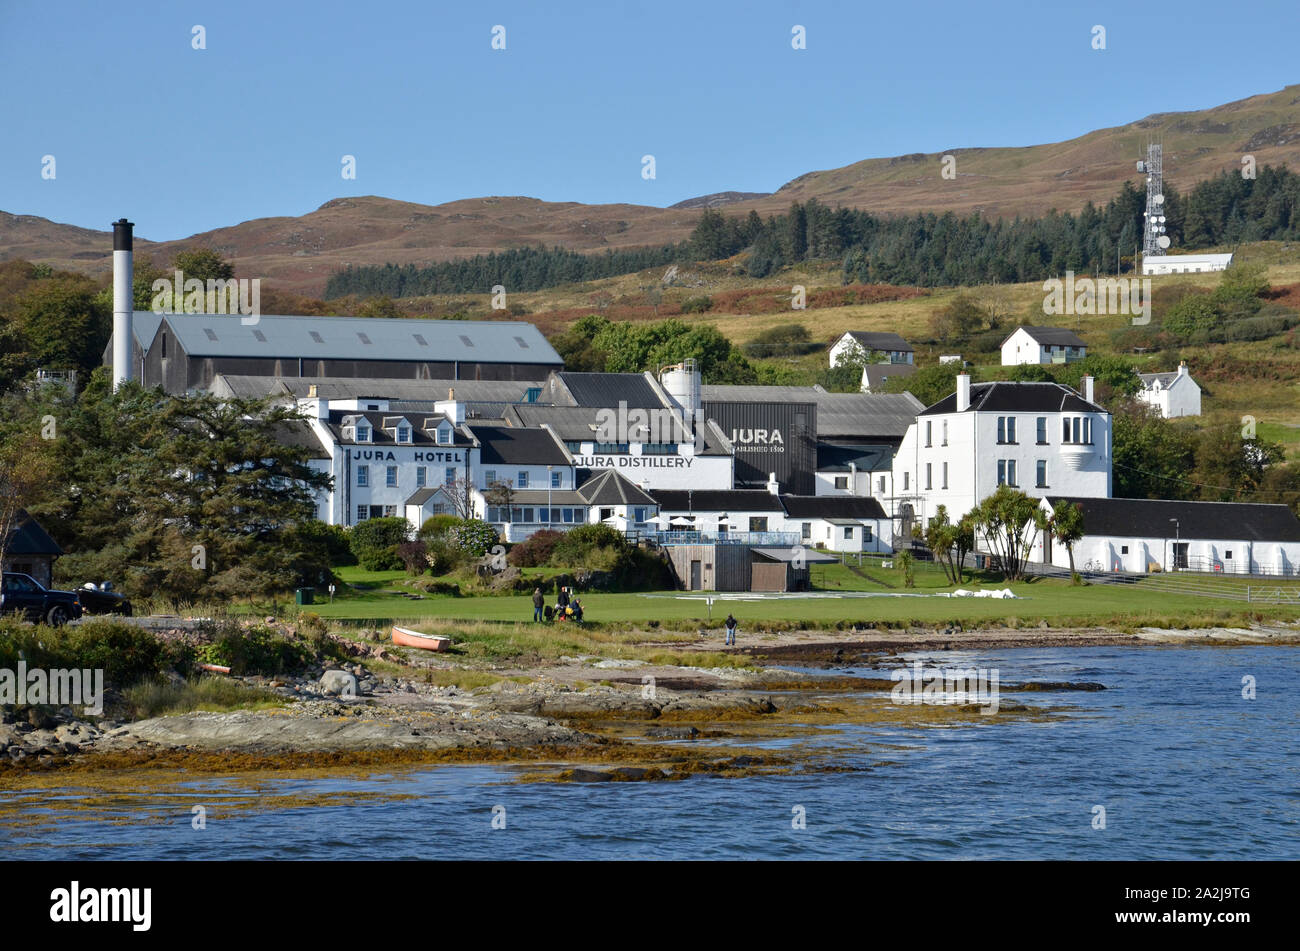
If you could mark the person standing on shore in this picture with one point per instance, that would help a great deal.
(731, 631)
(539, 600)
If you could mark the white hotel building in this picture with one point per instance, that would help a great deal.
(1042, 438)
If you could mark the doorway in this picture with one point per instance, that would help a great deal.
(697, 580)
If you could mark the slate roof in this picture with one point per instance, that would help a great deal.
(1005, 396)
(1164, 379)
(27, 537)
(833, 458)
(1051, 336)
(579, 424)
(299, 432)
(716, 500)
(1225, 521)
(610, 488)
(603, 390)
(832, 507)
(880, 340)
(383, 438)
(420, 496)
(506, 446)
(362, 338)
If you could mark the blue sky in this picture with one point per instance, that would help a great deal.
(255, 125)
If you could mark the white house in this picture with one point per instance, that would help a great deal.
(1043, 438)
(1174, 394)
(874, 375)
(1184, 263)
(838, 522)
(860, 344)
(1144, 535)
(1042, 345)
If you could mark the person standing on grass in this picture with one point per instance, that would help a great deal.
(539, 600)
(731, 631)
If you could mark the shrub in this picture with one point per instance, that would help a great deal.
(374, 541)
(256, 650)
(580, 547)
(1259, 328)
(536, 550)
(332, 539)
(474, 538)
(437, 526)
(414, 556)
(697, 305)
(784, 340)
(442, 555)
(1190, 314)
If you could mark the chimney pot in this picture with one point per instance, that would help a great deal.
(1087, 388)
(963, 392)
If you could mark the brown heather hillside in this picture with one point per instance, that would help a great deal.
(298, 254)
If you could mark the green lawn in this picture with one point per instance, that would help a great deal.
(1051, 600)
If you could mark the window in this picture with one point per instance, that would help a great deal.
(1042, 430)
(907, 479)
(1042, 474)
(444, 435)
(489, 476)
(449, 476)
(945, 432)
(1227, 555)
(867, 535)
(1065, 429)
(638, 514)
(363, 512)
(1011, 472)
(805, 531)
(376, 511)
(523, 479)
(881, 484)
(1007, 472)
(390, 511)
(606, 514)
(557, 479)
(1123, 549)
(659, 449)
(758, 524)
(403, 433)
(945, 475)
(421, 477)
(363, 475)
(928, 426)
(572, 515)
(363, 433)
(848, 532)
(841, 482)
(391, 478)
(1076, 427)
(928, 467)
(1087, 430)
(1002, 471)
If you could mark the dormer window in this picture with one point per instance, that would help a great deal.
(363, 432)
(444, 435)
(404, 434)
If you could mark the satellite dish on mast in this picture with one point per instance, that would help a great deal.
(1159, 199)
(1163, 241)
(1142, 166)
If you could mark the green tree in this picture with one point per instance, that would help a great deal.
(928, 384)
(1010, 522)
(1066, 526)
(204, 264)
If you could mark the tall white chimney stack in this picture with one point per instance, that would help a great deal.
(963, 392)
(123, 302)
(1087, 389)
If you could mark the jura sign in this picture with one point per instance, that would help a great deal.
(758, 440)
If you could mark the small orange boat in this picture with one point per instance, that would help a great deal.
(429, 642)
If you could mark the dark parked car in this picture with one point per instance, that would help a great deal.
(103, 599)
(25, 595)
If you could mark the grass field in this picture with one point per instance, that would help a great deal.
(1123, 607)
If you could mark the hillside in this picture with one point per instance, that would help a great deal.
(298, 253)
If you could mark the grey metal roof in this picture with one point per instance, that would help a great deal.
(144, 324)
(1051, 336)
(866, 415)
(579, 424)
(880, 340)
(743, 393)
(363, 338)
(299, 432)
(380, 388)
(809, 556)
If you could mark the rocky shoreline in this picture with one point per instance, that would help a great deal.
(551, 708)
